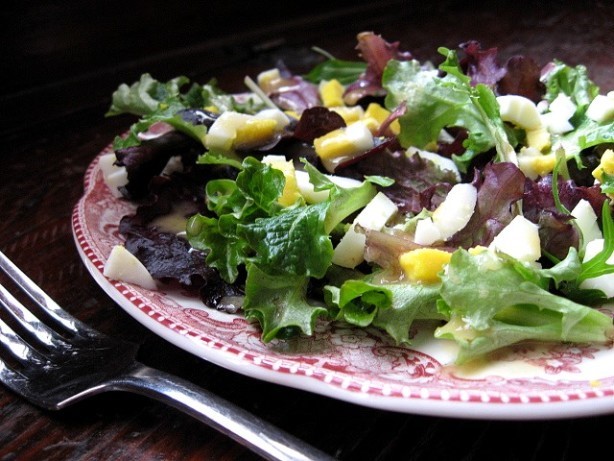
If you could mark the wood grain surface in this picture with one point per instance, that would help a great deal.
(62, 60)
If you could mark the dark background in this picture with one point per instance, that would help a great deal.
(89, 47)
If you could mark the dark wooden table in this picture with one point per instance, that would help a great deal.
(60, 64)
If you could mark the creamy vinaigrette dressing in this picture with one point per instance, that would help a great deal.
(175, 221)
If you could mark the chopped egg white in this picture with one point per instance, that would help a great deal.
(456, 210)
(519, 239)
(426, 232)
(349, 252)
(556, 120)
(586, 219)
(519, 111)
(123, 266)
(113, 176)
(601, 109)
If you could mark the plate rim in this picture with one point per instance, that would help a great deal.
(475, 404)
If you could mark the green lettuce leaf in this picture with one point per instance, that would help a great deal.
(146, 96)
(279, 304)
(280, 245)
(390, 307)
(154, 101)
(280, 242)
(434, 103)
(344, 71)
(493, 302)
(572, 81)
(342, 201)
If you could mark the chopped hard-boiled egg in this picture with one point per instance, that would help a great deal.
(306, 189)
(556, 120)
(427, 232)
(601, 109)
(380, 114)
(586, 219)
(349, 252)
(605, 282)
(606, 165)
(449, 217)
(113, 176)
(519, 111)
(254, 132)
(535, 164)
(222, 134)
(331, 93)
(235, 130)
(519, 239)
(343, 144)
(291, 192)
(123, 266)
(539, 138)
(456, 210)
(349, 114)
(268, 78)
(423, 265)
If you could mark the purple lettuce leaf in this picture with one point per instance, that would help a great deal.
(316, 122)
(418, 183)
(481, 65)
(522, 77)
(376, 52)
(292, 92)
(149, 158)
(556, 232)
(499, 186)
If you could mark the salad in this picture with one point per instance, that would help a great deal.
(382, 192)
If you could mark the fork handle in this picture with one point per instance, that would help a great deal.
(244, 427)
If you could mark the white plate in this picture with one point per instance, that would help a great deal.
(361, 366)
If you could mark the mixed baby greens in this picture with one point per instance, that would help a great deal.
(258, 239)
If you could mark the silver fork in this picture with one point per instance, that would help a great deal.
(58, 361)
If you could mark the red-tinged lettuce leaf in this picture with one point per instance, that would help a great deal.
(418, 182)
(170, 258)
(376, 52)
(165, 255)
(384, 248)
(499, 186)
(316, 122)
(149, 158)
(556, 232)
(292, 92)
(151, 233)
(522, 77)
(481, 65)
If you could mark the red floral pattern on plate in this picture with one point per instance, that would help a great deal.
(363, 366)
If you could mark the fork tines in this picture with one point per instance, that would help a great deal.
(44, 304)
